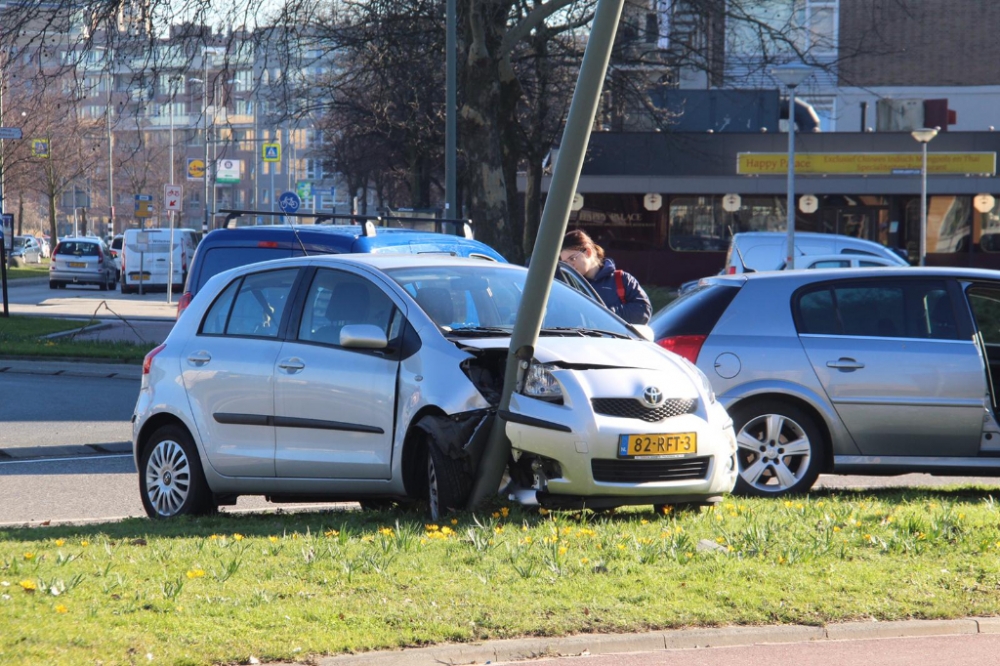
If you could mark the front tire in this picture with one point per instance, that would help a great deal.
(171, 479)
(448, 485)
(779, 449)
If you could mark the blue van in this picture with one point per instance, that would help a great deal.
(223, 249)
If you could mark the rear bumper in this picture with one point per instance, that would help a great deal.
(79, 277)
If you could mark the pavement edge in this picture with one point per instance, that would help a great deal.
(523, 649)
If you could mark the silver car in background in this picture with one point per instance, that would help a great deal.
(83, 260)
(853, 371)
(377, 377)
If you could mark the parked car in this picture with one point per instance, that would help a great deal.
(849, 371)
(25, 250)
(840, 261)
(116, 252)
(145, 258)
(223, 249)
(376, 376)
(766, 250)
(44, 244)
(82, 260)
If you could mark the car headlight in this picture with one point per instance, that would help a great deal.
(540, 383)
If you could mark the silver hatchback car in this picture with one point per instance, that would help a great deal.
(377, 377)
(853, 371)
(84, 260)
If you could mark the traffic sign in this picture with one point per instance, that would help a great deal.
(271, 152)
(289, 202)
(172, 196)
(40, 148)
(10, 133)
(143, 205)
(7, 230)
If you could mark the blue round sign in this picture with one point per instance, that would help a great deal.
(289, 202)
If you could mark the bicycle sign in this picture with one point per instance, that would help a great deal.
(289, 202)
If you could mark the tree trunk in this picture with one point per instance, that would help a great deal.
(52, 219)
(532, 205)
(482, 24)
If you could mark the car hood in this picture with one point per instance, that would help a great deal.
(593, 352)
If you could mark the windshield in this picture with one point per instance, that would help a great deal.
(483, 300)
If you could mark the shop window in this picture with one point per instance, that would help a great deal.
(620, 222)
(701, 224)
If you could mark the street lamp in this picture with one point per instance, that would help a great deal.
(791, 75)
(924, 136)
(205, 53)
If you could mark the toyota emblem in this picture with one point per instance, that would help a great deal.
(652, 396)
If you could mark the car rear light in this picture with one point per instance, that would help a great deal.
(148, 361)
(271, 244)
(688, 346)
(183, 302)
(184, 261)
(731, 270)
(100, 256)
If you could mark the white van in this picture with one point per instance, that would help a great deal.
(766, 250)
(145, 258)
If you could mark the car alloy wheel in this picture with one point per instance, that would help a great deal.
(779, 449)
(172, 481)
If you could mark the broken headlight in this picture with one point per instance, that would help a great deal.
(540, 383)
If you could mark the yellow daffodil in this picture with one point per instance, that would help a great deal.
(196, 573)
(28, 585)
(61, 609)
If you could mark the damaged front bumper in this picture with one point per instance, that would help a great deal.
(566, 458)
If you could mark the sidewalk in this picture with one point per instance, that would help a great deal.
(501, 651)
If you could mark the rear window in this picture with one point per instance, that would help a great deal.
(219, 259)
(695, 312)
(80, 249)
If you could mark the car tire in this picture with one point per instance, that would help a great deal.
(53, 284)
(767, 465)
(125, 289)
(171, 479)
(448, 485)
(103, 285)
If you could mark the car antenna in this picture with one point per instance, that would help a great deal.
(295, 231)
(739, 255)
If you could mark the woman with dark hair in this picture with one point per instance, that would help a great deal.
(619, 290)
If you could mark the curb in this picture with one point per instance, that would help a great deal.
(69, 368)
(27, 282)
(77, 331)
(591, 644)
(26, 453)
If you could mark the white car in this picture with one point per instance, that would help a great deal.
(376, 377)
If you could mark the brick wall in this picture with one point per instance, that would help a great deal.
(919, 42)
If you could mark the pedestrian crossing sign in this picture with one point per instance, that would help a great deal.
(272, 152)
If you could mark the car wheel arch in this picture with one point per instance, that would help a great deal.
(153, 424)
(414, 455)
(799, 403)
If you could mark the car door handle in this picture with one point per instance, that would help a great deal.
(845, 363)
(292, 365)
(199, 358)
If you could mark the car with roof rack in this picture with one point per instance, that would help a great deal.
(234, 245)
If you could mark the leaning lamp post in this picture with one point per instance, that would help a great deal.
(791, 75)
(924, 136)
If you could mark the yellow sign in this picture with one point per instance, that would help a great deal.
(271, 152)
(40, 148)
(196, 169)
(872, 164)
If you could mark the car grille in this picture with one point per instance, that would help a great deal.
(641, 471)
(631, 408)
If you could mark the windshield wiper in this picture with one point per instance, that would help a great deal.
(475, 331)
(583, 332)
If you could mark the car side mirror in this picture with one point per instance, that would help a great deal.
(363, 336)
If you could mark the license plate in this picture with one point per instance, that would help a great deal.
(77, 264)
(639, 446)
(137, 277)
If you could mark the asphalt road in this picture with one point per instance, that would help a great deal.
(33, 297)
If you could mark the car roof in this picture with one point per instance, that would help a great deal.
(879, 272)
(391, 261)
(345, 237)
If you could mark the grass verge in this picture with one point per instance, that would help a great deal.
(29, 271)
(22, 336)
(289, 586)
